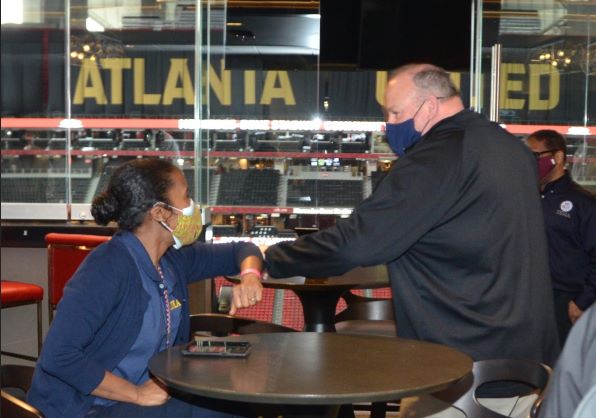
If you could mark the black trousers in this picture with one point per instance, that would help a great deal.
(564, 324)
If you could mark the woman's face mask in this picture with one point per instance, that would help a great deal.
(189, 224)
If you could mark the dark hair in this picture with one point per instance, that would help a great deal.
(553, 141)
(133, 189)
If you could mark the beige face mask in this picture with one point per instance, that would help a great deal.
(189, 225)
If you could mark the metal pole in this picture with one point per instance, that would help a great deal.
(495, 82)
(68, 111)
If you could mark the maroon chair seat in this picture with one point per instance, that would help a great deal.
(19, 294)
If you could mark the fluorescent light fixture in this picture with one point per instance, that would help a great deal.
(256, 125)
(295, 125)
(70, 123)
(578, 130)
(12, 12)
(93, 25)
(353, 126)
(313, 41)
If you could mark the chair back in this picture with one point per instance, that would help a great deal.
(365, 308)
(13, 407)
(17, 377)
(221, 325)
(530, 373)
(65, 253)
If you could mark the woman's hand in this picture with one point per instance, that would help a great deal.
(151, 393)
(118, 389)
(247, 293)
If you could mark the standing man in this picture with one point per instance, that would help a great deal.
(458, 222)
(570, 218)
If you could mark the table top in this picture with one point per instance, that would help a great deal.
(357, 278)
(310, 368)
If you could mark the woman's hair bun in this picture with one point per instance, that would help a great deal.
(105, 209)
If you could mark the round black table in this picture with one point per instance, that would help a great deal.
(319, 295)
(317, 369)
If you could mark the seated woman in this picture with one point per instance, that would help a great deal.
(129, 300)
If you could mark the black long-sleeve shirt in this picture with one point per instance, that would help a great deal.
(458, 222)
(570, 218)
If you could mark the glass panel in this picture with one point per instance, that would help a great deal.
(141, 69)
(545, 69)
(32, 55)
(265, 107)
(34, 168)
(546, 73)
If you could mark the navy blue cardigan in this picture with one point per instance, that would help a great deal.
(101, 312)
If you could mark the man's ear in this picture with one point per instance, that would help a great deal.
(433, 106)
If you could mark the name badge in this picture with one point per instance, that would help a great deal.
(175, 304)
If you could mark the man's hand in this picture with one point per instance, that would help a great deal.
(574, 312)
(247, 293)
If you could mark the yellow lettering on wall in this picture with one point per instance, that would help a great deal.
(250, 95)
(284, 91)
(380, 87)
(178, 72)
(89, 84)
(554, 85)
(456, 80)
(140, 97)
(222, 87)
(116, 65)
(507, 86)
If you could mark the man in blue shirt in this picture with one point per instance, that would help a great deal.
(570, 218)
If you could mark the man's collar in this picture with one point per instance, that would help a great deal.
(560, 184)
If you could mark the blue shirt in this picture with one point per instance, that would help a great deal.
(153, 336)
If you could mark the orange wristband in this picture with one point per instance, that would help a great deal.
(251, 270)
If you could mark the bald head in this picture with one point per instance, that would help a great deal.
(426, 79)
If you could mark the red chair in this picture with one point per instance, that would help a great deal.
(65, 254)
(20, 294)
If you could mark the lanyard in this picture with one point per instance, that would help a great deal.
(164, 289)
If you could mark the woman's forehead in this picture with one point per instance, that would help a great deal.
(178, 180)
